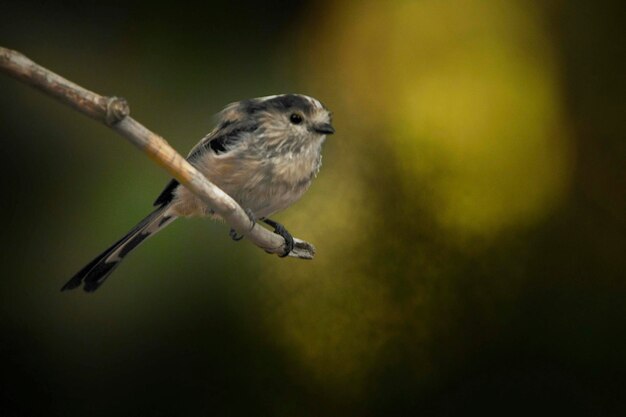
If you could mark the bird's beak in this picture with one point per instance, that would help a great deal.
(324, 129)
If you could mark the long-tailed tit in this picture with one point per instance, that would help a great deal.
(264, 153)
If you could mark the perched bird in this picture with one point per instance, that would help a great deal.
(264, 153)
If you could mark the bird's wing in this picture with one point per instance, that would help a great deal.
(221, 140)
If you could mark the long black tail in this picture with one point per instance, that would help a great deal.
(97, 271)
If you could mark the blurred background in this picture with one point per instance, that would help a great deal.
(469, 217)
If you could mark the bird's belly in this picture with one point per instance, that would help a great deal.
(270, 185)
(262, 186)
(269, 197)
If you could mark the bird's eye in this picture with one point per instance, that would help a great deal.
(295, 118)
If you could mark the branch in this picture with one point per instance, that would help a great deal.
(114, 112)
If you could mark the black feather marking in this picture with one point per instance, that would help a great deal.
(96, 271)
(218, 145)
(98, 274)
(291, 102)
(253, 106)
(225, 139)
(164, 220)
(167, 194)
(282, 103)
(77, 279)
(228, 133)
(133, 243)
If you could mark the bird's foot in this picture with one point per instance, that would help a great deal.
(234, 236)
(279, 229)
(233, 233)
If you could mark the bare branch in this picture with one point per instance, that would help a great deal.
(114, 112)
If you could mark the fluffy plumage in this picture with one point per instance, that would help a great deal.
(264, 153)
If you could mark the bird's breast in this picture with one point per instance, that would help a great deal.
(264, 184)
(295, 167)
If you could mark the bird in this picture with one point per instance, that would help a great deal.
(264, 153)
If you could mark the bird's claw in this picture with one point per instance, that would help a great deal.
(234, 236)
(279, 229)
(233, 233)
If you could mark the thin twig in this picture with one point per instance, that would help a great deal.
(114, 112)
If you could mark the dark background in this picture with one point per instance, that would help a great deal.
(469, 217)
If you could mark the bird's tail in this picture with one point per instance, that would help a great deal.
(97, 271)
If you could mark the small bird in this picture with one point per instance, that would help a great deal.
(264, 153)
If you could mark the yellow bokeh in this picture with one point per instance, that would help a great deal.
(465, 93)
(457, 97)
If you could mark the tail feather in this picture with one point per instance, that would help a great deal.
(97, 271)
